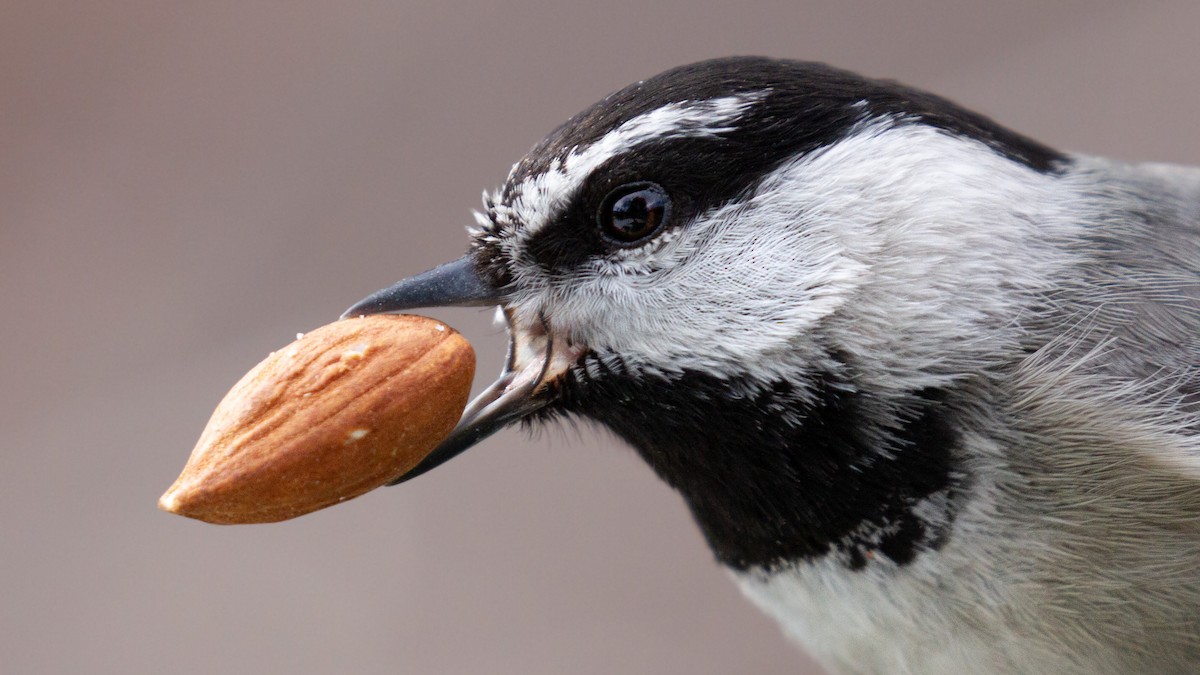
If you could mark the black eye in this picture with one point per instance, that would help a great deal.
(633, 212)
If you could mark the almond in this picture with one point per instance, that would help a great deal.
(342, 410)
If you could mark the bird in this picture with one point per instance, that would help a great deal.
(928, 387)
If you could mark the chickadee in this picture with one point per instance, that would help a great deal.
(929, 387)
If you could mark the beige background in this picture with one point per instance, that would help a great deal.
(184, 186)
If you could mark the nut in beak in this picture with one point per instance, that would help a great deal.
(535, 356)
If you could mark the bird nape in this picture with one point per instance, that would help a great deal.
(928, 386)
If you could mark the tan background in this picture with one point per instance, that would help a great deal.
(184, 186)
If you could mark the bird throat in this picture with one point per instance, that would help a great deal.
(781, 472)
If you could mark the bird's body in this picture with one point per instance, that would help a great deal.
(929, 388)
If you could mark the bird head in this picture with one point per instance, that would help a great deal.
(760, 273)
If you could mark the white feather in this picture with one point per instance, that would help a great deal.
(863, 221)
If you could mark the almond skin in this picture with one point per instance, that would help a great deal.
(340, 411)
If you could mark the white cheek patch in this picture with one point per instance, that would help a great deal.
(743, 280)
(899, 234)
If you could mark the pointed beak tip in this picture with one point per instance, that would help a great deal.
(454, 284)
(357, 311)
(372, 304)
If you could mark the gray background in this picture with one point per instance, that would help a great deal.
(184, 186)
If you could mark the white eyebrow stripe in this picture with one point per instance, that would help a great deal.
(540, 197)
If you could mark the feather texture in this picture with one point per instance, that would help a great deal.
(931, 389)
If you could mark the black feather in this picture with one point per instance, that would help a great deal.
(780, 472)
(806, 107)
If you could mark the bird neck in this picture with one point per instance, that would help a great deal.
(780, 472)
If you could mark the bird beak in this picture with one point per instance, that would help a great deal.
(534, 359)
(454, 284)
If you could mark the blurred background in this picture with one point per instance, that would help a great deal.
(185, 186)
